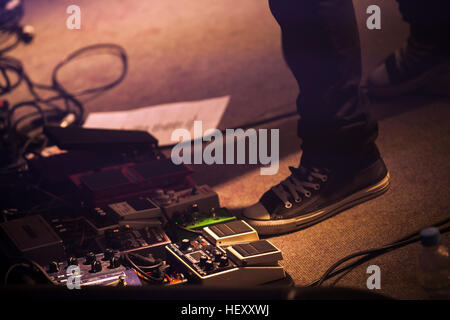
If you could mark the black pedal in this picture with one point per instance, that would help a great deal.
(130, 209)
(77, 234)
(201, 258)
(180, 202)
(137, 212)
(127, 180)
(230, 233)
(98, 140)
(33, 238)
(136, 240)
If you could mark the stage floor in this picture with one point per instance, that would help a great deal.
(183, 50)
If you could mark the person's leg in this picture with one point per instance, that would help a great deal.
(321, 47)
(429, 21)
(340, 165)
(425, 55)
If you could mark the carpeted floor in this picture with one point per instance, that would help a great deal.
(415, 146)
(182, 50)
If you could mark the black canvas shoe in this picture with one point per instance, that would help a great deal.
(407, 69)
(310, 195)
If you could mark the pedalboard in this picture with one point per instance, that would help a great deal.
(121, 208)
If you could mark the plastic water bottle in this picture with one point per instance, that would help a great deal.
(434, 263)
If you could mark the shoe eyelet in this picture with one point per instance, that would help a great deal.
(287, 205)
(298, 200)
(317, 186)
(324, 178)
(307, 194)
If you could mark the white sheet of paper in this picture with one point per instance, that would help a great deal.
(162, 120)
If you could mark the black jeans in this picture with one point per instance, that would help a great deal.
(429, 21)
(321, 47)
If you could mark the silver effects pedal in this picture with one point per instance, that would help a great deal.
(260, 252)
(250, 263)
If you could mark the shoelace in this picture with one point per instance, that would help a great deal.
(292, 186)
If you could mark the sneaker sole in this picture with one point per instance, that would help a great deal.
(274, 227)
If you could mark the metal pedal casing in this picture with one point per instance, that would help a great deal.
(230, 233)
(261, 252)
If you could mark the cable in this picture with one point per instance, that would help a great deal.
(153, 263)
(14, 266)
(372, 253)
(144, 274)
(16, 131)
(189, 230)
(100, 48)
(29, 264)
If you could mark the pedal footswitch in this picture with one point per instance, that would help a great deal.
(260, 252)
(230, 233)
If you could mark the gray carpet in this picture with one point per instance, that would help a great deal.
(182, 50)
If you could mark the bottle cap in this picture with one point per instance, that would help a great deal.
(430, 236)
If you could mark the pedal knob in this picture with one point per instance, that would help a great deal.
(96, 266)
(185, 244)
(114, 263)
(203, 260)
(90, 258)
(72, 261)
(223, 261)
(217, 255)
(171, 194)
(159, 193)
(108, 254)
(53, 267)
(195, 212)
(122, 281)
(165, 200)
(213, 214)
(209, 265)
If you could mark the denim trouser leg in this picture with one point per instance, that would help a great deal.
(321, 47)
(429, 21)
